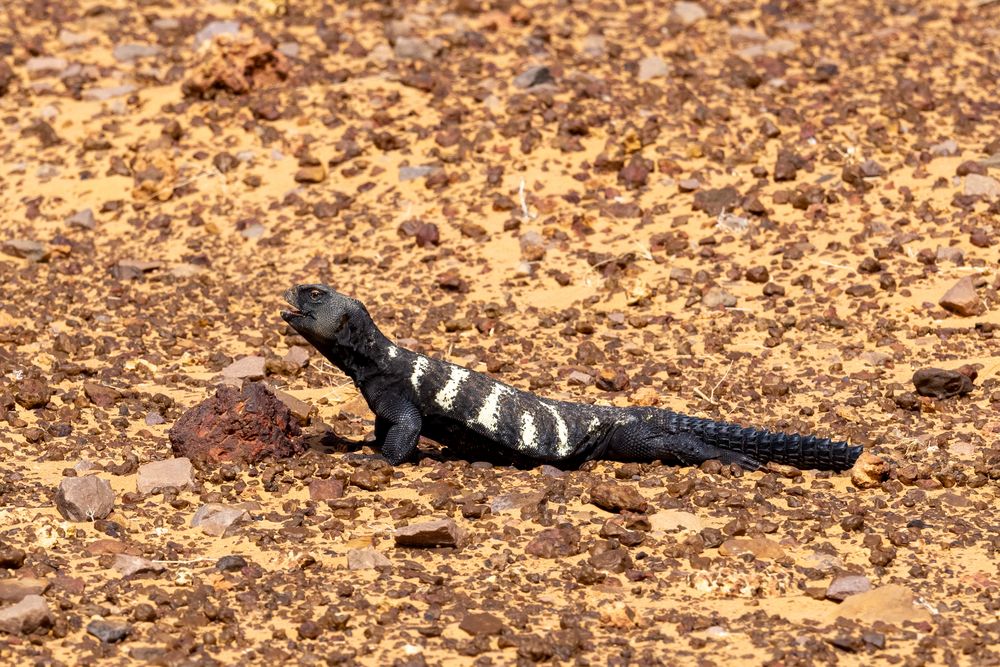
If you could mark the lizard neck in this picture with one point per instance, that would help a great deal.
(361, 352)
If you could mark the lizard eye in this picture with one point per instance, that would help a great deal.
(315, 294)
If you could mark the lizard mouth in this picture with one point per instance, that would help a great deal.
(293, 312)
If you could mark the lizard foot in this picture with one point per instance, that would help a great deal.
(729, 457)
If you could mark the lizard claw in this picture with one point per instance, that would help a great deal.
(748, 463)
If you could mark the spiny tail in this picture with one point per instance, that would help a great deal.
(801, 451)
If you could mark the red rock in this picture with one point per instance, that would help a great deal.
(786, 167)
(101, 395)
(32, 393)
(636, 172)
(428, 235)
(244, 426)
(70, 585)
(757, 274)
(616, 497)
(555, 542)
(612, 560)
(7, 76)
(612, 379)
(715, 201)
(297, 356)
(326, 489)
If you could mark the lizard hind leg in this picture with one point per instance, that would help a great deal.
(640, 442)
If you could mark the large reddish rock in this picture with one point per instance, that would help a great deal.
(243, 426)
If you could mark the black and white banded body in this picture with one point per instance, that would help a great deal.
(462, 408)
(413, 395)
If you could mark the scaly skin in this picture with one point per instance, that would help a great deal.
(413, 395)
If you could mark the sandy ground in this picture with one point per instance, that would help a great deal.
(748, 211)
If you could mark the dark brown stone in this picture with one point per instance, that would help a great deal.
(773, 385)
(245, 426)
(939, 383)
(907, 401)
(32, 393)
(715, 201)
(636, 172)
(611, 560)
(773, 289)
(555, 542)
(11, 558)
(481, 624)
(428, 235)
(326, 489)
(980, 238)
(6, 77)
(589, 354)
(786, 167)
(970, 167)
(100, 395)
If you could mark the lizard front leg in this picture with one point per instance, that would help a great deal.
(397, 429)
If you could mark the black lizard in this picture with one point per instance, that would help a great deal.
(413, 395)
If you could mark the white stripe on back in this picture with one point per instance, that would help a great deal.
(419, 366)
(562, 433)
(489, 414)
(446, 397)
(529, 434)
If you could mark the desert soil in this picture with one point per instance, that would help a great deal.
(747, 211)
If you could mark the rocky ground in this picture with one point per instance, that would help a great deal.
(770, 213)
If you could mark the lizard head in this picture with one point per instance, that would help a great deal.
(322, 315)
